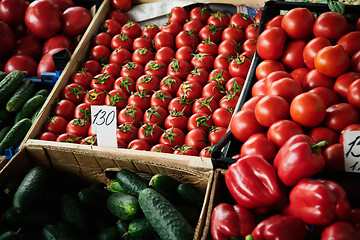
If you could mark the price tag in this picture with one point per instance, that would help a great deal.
(103, 124)
(352, 151)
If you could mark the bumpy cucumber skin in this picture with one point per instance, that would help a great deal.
(10, 84)
(15, 135)
(31, 189)
(22, 94)
(140, 227)
(166, 220)
(30, 106)
(132, 183)
(72, 212)
(43, 92)
(190, 195)
(116, 187)
(5, 117)
(165, 184)
(93, 198)
(123, 206)
(4, 131)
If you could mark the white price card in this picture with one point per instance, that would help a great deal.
(103, 124)
(352, 151)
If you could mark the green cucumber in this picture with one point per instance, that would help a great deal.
(32, 218)
(4, 131)
(10, 235)
(139, 227)
(2, 75)
(132, 183)
(35, 114)
(167, 221)
(10, 84)
(30, 107)
(116, 187)
(123, 206)
(11, 186)
(43, 92)
(57, 231)
(94, 199)
(166, 185)
(190, 213)
(31, 189)
(5, 117)
(15, 135)
(22, 94)
(72, 212)
(109, 233)
(190, 195)
(122, 226)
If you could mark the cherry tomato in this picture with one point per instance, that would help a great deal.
(117, 98)
(239, 67)
(165, 54)
(241, 20)
(202, 121)
(119, 16)
(92, 66)
(141, 99)
(235, 85)
(95, 97)
(121, 40)
(142, 56)
(156, 68)
(206, 151)
(82, 77)
(132, 29)
(203, 60)
(184, 53)
(161, 98)
(229, 101)
(244, 124)
(132, 70)
(142, 42)
(64, 108)
(204, 105)
(155, 115)
(222, 61)
(68, 138)
(193, 25)
(73, 92)
(212, 32)
(120, 56)
(111, 27)
(171, 27)
(252, 31)
(150, 30)
(79, 127)
(219, 19)
(160, 147)
(112, 69)
(102, 82)
(177, 120)
(170, 84)
(147, 82)
(198, 75)
(216, 134)
(200, 13)
(179, 68)
(213, 89)
(308, 109)
(100, 53)
(83, 110)
(164, 39)
(186, 150)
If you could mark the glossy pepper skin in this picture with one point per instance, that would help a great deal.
(300, 157)
(280, 227)
(319, 202)
(253, 183)
(340, 231)
(231, 221)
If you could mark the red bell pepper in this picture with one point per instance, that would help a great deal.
(253, 183)
(280, 227)
(231, 221)
(319, 202)
(340, 231)
(298, 158)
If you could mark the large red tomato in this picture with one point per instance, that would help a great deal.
(331, 25)
(311, 48)
(7, 39)
(332, 61)
(244, 124)
(339, 116)
(58, 41)
(22, 63)
(353, 94)
(122, 5)
(12, 11)
(46, 63)
(75, 20)
(298, 23)
(270, 43)
(270, 109)
(28, 45)
(63, 4)
(292, 57)
(43, 19)
(350, 42)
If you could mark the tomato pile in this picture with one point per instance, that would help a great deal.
(174, 86)
(32, 32)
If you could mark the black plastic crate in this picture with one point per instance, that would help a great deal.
(229, 146)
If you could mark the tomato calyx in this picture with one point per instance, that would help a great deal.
(150, 26)
(129, 66)
(85, 113)
(123, 36)
(130, 111)
(218, 77)
(205, 103)
(82, 71)
(176, 113)
(208, 41)
(218, 15)
(91, 141)
(202, 11)
(145, 79)
(175, 66)
(186, 87)
(76, 91)
(184, 100)
(102, 79)
(237, 88)
(129, 24)
(126, 127)
(314, 148)
(154, 66)
(79, 122)
(161, 95)
(143, 51)
(159, 149)
(104, 27)
(149, 129)
(168, 81)
(202, 121)
(200, 56)
(69, 139)
(195, 71)
(125, 83)
(190, 33)
(219, 87)
(170, 135)
(141, 94)
(153, 111)
(115, 98)
(183, 148)
(230, 110)
(93, 95)
(213, 29)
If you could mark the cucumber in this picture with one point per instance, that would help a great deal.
(190, 213)
(22, 94)
(12, 216)
(15, 135)
(29, 107)
(31, 189)
(166, 220)
(4, 131)
(190, 195)
(11, 186)
(122, 226)
(5, 117)
(139, 228)
(2, 75)
(94, 199)
(57, 231)
(72, 212)
(166, 185)
(43, 92)
(10, 84)
(33, 218)
(10, 235)
(132, 183)
(35, 114)
(116, 187)
(109, 233)
(123, 206)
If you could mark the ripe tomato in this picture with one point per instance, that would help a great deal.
(299, 74)
(251, 103)
(55, 124)
(241, 20)
(355, 62)
(95, 97)
(233, 33)
(171, 27)
(275, 22)
(280, 131)
(139, 144)
(126, 132)
(64, 108)
(165, 54)
(29, 45)
(206, 151)
(132, 70)
(150, 132)
(202, 121)
(186, 38)
(203, 60)
(213, 89)
(89, 140)
(204, 105)
(220, 76)
(178, 14)
(92, 66)
(79, 127)
(177, 120)
(100, 53)
(196, 138)
(7, 38)
(181, 104)
(173, 137)
(131, 114)
(120, 56)
(334, 157)
(200, 13)
(164, 39)
(249, 45)
(222, 61)
(311, 48)
(350, 42)
(298, 23)
(219, 19)
(206, 46)
(68, 138)
(259, 88)
(270, 43)
(316, 79)
(164, 148)
(117, 98)
(259, 144)
(221, 117)
(328, 95)
(156, 68)
(339, 116)
(308, 109)
(47, 136)
(43, 19)
(119, 16)
(229, 46)
(142, 56)
(147, 82)
(198, 75)
(332, 61)
(22, 63)
(252, 31)
(112, 69)
(170, 84)
(184, 53)
(265, 67)
(142, 42)
(353, 94)
(75, 20)
(191, 90)
(12, 11)
(121, 40)
(179, 68)
(275, 76)
(155, 115)
(286, 88)
(73, 92)
(244, 124)
(351, 127)
(324, 134)
(212, 32)
(216, 134)
(102, 82)
(229, 101)
(141, 99)
(270, 109)
(239, 67)
(343, 82)
(132, 29)
(83, 110)
(331, 25)
(82, 77)
(150, 30)
(160, 98)
(63, 4)
(186, 150)
(193, 25)
(122, 5)
(292, 57)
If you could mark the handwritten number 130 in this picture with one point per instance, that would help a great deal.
(103, 117)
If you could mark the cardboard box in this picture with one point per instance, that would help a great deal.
(93, 166)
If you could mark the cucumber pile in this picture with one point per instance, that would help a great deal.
(46, 205)
(20, 101)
